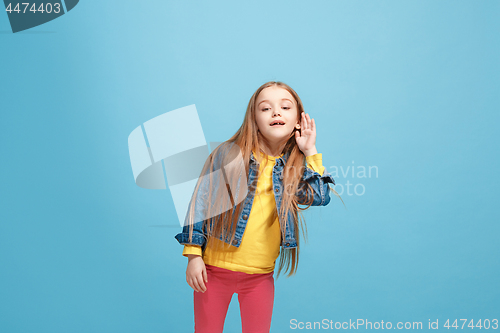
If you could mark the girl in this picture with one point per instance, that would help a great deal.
(234, 230)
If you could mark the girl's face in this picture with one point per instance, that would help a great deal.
(276, 105)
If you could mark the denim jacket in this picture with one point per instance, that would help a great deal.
(321, 197)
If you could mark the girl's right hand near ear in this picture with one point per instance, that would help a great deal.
(196, 273)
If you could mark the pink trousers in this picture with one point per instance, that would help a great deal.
(255, 295)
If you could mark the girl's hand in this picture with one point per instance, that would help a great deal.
(306, 139)
(196, 273)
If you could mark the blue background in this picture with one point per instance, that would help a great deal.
(411, 87)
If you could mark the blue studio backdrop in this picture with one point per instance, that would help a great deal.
(405, 95)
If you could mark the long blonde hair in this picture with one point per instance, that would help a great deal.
(222, 211)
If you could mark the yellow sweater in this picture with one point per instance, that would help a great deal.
(260, 244)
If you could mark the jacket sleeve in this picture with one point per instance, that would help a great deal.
(316, 176)
(199, 236)
(201, 199)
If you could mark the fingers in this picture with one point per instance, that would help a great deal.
(307, 122)
(306, 138)
(205, 276)
(196, 282)
(201, 284)
(304, 121)
(195, 285)
(191, 284)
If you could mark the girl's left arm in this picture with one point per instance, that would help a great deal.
(315, 174)
(318, 178)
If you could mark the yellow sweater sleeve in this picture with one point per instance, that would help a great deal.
(191, 249)
(315, 162)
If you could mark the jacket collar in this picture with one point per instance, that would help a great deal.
(281, 159)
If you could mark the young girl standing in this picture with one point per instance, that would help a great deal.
(234, 249)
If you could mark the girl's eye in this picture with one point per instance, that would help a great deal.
(285, 107)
